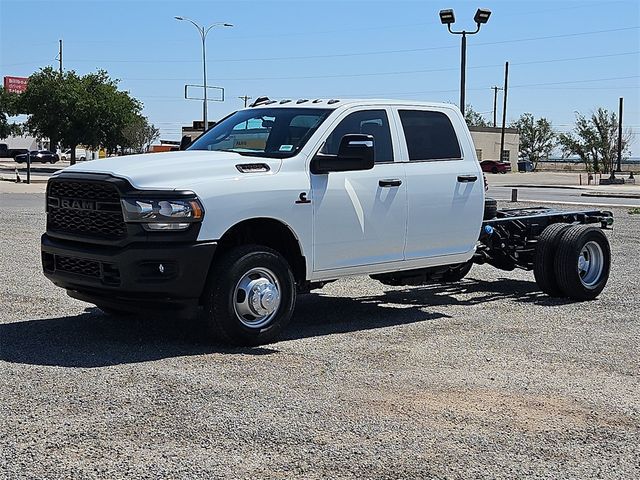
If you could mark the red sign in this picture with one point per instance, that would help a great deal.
(15, 84)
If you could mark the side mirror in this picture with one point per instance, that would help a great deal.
(185, 142)
(356, 152)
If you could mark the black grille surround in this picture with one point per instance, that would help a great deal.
(85, 208)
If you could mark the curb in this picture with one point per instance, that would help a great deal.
(541, 186)
(611, 195)
(33, 180)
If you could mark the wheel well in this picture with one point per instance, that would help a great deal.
(270, 233)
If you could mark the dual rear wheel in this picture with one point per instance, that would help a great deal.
(572, 261)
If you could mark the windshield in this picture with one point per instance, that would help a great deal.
(264, 132)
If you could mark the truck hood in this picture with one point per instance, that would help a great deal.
(173, 170)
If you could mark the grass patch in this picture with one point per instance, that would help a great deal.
(634, 211)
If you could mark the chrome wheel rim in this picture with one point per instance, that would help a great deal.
(590, 264)
(256, 297)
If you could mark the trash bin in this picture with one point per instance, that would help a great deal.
(525, 166)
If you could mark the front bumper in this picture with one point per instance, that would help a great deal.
(137, 277)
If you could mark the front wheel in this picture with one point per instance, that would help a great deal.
(250, 296)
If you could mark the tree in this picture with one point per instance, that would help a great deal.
(595, 140)
(473, 118)
(537, 138)
(77, 110)
(8, 105)
(139, 134)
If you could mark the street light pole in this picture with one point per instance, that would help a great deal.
(203, 35)
(448, 18)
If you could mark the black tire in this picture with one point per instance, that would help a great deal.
(458, 272)
(590, 243)
(494, 170)
(114, 312)
(490, 208)
(221, 314)
(543, 264)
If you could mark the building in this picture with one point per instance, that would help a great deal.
(487, 143)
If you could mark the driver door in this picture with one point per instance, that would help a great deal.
(360, 216)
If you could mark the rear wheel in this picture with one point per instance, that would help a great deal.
(494, 169)
(458, 272)
(543, 265)
(250, 296)
(490, 209)
(583, 262)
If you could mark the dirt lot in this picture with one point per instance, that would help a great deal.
(485, 379)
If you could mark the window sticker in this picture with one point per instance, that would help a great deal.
(286, 148)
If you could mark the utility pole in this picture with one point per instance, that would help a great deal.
(60, 56)
(504, 108)
(619, 169)
(246, 98)
(495, 103)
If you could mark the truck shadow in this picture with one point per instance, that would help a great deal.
(93, 339)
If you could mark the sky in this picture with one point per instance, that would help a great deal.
(564, 56)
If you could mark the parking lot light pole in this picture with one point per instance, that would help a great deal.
(448, 18)
(203, 31)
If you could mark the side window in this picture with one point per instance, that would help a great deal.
(369, 122)
(429, 135)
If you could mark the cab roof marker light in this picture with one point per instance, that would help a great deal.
(332, 101)
(317, 100)
(284, 101)
(302, 100)
(260, 101)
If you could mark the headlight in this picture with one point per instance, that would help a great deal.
(155, 214)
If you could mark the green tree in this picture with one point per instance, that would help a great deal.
(8, 108)
(537, 138)
(473, 118)
(77, 110)
(139, 134)
(595, 140)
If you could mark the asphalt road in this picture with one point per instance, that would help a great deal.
(559, 195)
(487, 378)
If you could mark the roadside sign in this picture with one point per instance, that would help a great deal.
(15, 84)
(217, 96)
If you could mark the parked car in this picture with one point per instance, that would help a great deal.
(81, 154)
(41, 156)
(14, 152)
(493, 166)
(281, 198)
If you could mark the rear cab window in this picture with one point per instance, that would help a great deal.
(429, 136)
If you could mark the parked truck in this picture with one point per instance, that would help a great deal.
(283, 197)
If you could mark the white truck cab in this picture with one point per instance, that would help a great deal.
(274, 200)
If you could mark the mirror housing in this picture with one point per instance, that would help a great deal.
(356, 152)
(185, 142)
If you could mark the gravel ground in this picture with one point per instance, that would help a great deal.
(485, 379)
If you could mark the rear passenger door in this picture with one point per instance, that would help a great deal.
(444, 183)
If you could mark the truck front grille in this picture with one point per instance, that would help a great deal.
(79, 266)
(84, 208)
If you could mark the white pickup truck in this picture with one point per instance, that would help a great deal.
(283, 197)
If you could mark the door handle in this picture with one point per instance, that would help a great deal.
(390, 182)
(467, 178)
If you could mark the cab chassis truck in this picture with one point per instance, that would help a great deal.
(282, 197)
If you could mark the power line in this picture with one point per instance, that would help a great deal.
(374, 74)
(378, 52)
